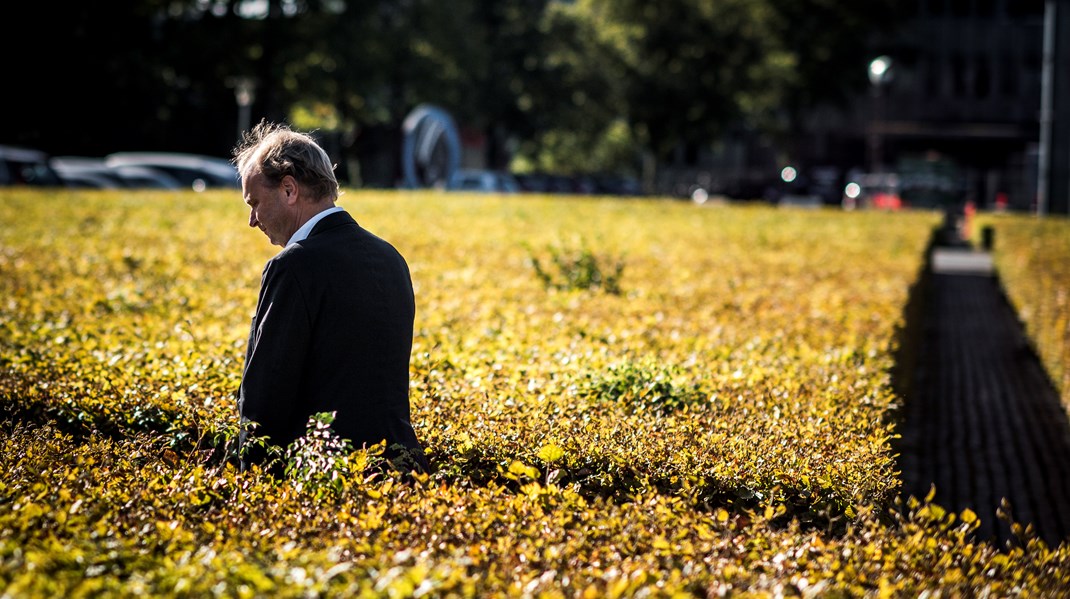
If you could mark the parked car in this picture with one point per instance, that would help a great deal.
(482, 180)
(580, 184)
(88, 173)
(26, 166)
(873, 190)
(793, 187)
(146, 177)
(82, 171)
(618, 185)
(191, 170)
(560, 184)
(533, 182)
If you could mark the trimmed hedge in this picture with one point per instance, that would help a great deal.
(716, 421)
(1032, 256)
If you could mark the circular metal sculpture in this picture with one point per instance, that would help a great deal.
(431, 147)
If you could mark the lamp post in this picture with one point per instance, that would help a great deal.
(244, 95)
(880, 73)
(1047, 88)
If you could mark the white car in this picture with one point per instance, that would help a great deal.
(81, 171)
(192, 170)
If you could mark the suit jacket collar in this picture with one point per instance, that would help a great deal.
(331, 221)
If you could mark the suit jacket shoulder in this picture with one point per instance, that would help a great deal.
(337, 315)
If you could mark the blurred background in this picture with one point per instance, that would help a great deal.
(819, 102)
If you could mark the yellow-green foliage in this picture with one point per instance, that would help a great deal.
(716, 421)
(1032, 256)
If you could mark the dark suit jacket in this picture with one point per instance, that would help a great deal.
(332, 333)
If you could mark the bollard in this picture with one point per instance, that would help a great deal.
(988, 235)
(968, 212)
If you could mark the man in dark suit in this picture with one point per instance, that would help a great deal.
(334, 319)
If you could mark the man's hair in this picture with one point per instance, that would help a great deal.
(275, 150)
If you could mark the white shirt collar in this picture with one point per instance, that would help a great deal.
(302, 233)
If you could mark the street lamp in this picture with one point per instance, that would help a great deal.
(244, 95)
(1047, 89)
(880, 73)
(880, 70)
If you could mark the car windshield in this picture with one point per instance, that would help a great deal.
(31, 173)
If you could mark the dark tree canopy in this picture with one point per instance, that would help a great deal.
(589, 83)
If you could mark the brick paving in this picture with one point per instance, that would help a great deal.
(982, 421)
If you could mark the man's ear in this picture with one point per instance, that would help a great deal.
(290, 189)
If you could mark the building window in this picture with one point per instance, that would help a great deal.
(958, 75)
(1008, 76)
(1025, 8)
(982, 77)
(1032, 72)
(930, 76)
(936, 8)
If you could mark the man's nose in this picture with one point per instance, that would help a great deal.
(252, 219)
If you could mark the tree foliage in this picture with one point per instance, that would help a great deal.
(573, 85)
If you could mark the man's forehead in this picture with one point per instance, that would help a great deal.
(252, 176)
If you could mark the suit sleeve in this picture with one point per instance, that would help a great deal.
(278, 345)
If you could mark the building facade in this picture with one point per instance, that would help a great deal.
(969, 101)
(958, 114)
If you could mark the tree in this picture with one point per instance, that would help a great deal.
(77, 85)
(578, 85)
(829, 40)
(578, 106)
(677, 72)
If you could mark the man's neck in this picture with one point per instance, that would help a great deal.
(306, 211)
(305, 228)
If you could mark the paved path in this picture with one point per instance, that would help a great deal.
(983, 421)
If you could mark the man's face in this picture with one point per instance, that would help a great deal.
(270, 208)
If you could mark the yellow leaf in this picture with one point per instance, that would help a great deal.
(521, 470)
(31, 511)
(551, 453)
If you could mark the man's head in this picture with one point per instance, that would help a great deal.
(286, 179)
